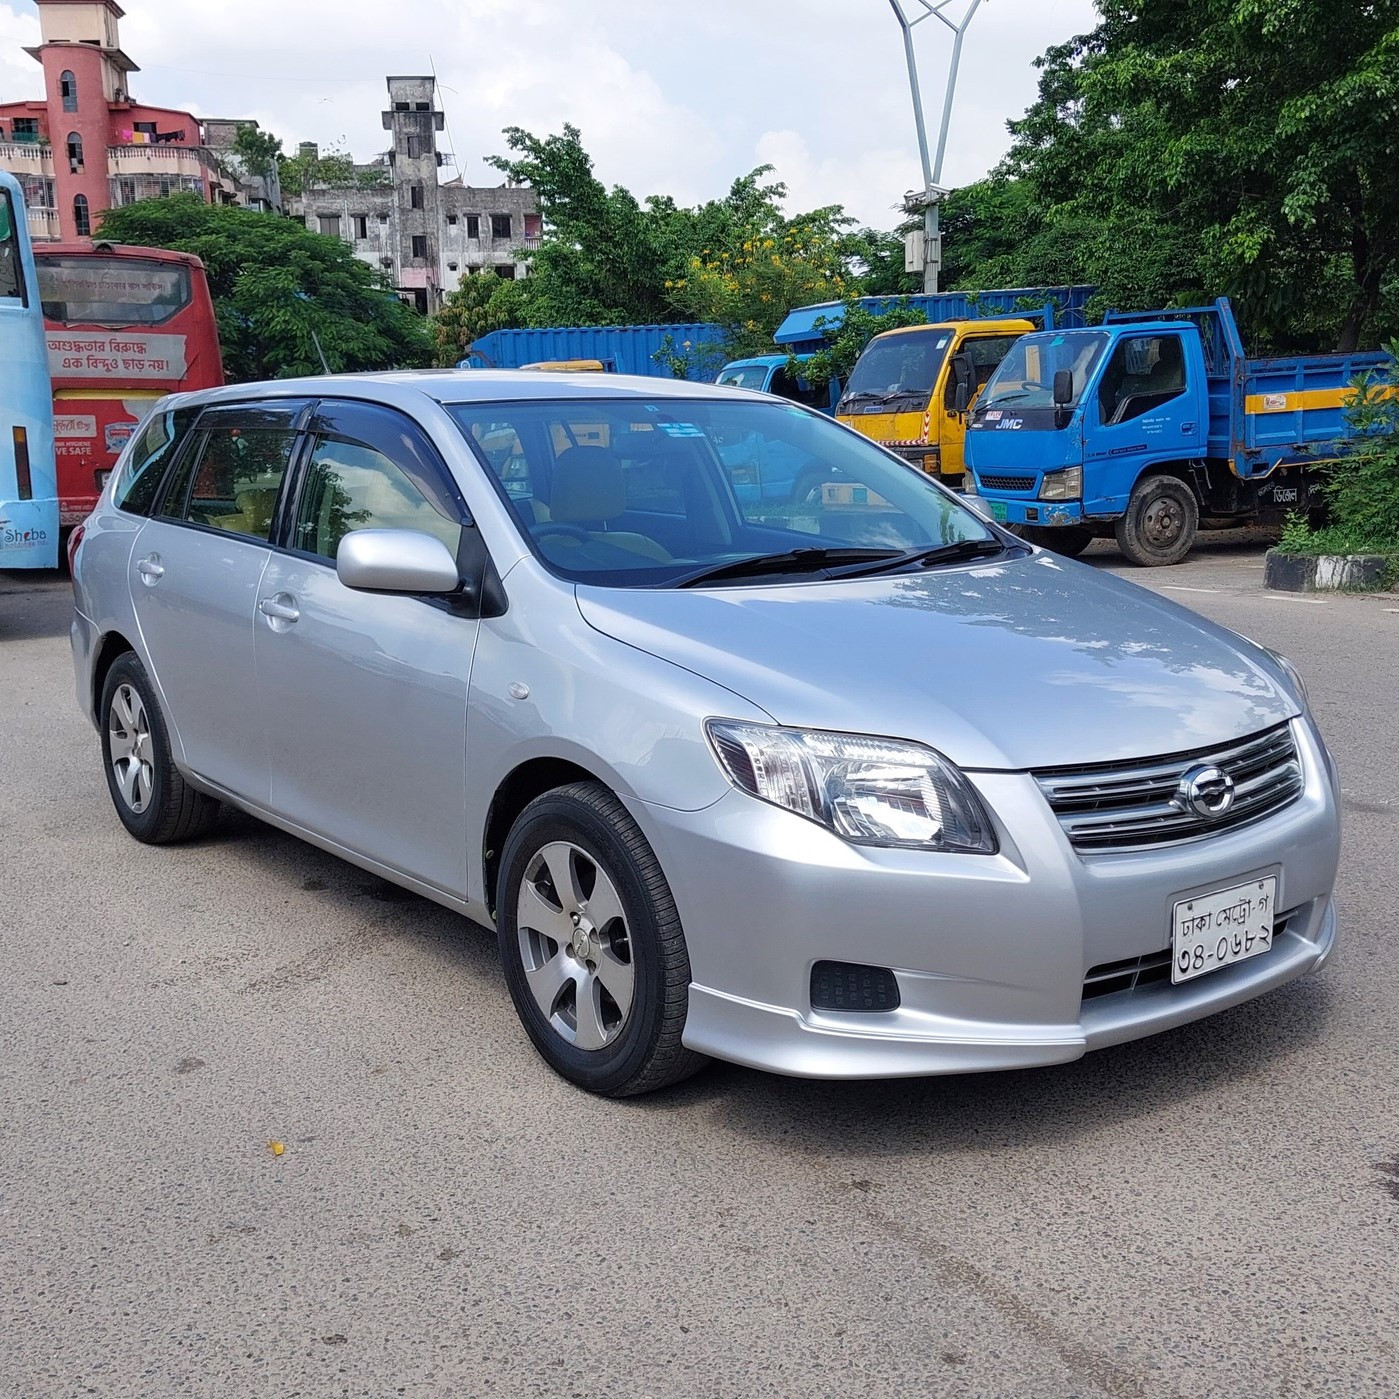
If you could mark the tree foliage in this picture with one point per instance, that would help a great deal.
(1186, 148)
(328, 170)
(259, 152)
(278, 288)
(474, 309)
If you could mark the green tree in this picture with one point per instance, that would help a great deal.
(477, 307)
(1245, 145)
(259, 152)
(278, 288)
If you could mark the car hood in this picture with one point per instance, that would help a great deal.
(1031, 662)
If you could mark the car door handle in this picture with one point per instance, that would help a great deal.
(151, 569)
(281, 607)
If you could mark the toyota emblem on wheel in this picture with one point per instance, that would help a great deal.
(1206, 790)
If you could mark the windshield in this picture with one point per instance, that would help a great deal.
(748, 376)
(117, 291)
(1025, 378)
(902, 364)
(645, 493)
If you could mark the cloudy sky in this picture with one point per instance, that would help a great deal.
(674, 98)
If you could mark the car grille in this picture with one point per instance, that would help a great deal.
(1133, 972)
(1007, 483)
(1129, 806)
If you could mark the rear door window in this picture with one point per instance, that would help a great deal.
(154, 451)
(238, 479)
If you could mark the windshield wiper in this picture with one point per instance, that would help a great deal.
(808, 559)
(929, 558)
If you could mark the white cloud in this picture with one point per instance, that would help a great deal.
(670, 99)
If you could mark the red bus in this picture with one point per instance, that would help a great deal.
(124, 325)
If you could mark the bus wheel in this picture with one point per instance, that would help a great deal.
(1160, 522)
(1070, 541)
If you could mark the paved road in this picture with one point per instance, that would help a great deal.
(1215, 1211)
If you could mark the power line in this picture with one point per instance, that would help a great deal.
(446, 121)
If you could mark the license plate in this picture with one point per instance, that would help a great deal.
(1211, 931)
(1000, 511)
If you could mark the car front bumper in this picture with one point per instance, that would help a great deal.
(989, 952)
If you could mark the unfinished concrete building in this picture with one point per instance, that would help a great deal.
(425, 236)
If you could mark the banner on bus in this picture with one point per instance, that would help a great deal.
(121, 354)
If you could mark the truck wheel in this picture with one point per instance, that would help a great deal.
(1160, 522)
(1070, 541)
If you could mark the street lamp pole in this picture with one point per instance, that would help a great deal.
(932, 171)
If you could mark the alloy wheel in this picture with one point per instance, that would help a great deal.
(575, 946)
(129, 746)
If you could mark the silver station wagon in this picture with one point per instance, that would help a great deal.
(836, 781)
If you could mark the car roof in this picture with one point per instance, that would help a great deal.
(451, 386)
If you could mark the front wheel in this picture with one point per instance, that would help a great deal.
(1070, 541)
(1160, 523)
(592, 947)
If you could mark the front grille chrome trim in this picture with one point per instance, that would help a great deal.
(1107, 807)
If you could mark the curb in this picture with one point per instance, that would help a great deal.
(1307, 573)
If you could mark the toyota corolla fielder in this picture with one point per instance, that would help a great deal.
(851, 784)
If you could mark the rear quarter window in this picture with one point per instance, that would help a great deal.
(155, 448)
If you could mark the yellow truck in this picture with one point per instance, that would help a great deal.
(911, 388)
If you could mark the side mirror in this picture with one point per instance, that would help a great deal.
(396, 561)
(964, 376)
(1063, 387)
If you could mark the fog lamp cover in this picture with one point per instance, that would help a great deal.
(853, 986)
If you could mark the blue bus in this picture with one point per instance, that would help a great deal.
(28, 483)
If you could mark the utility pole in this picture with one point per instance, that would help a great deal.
(930, 246)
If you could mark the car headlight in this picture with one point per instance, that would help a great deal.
(1062, 485)
(869, 791)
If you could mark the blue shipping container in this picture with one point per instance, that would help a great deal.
(799, 331)
(629, 349)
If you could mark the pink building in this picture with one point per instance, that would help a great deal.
(87, 144)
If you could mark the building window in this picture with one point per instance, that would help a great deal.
(420, 245)
(500, 225)
(330, 225)
(68, 90)
(415, 196)
(421, 107)
(82, 224)
(25, 128)
(452, 220)
(126, 191)
(415, 147)
(383, 218)
(75, 151)
(451, 267)
(473, 225)
(400, 106)
(506, 270)
(361, 226)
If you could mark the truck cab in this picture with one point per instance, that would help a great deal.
(911, 388)
(772, 374)
(1150, 424)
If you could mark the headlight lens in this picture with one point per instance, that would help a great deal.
(1062, 485)
(869, 791)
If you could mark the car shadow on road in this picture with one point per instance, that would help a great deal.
(979, 1112)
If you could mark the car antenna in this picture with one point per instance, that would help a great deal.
(316, 341)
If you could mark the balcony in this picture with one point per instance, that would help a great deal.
(43, 223)
(26, 158)
(159, 160)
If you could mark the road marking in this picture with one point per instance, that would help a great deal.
(1179, 588)
(1287, 597)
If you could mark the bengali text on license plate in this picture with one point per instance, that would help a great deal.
(1210, 931)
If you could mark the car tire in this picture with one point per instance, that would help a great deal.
(1070, 541)
(603, 1001)
(152, 798)
(1158, 527)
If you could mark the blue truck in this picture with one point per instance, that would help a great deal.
(1154, 425)
(624, 349)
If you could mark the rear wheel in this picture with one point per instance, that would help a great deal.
(1070, 541)
(152, 798)
(1160, 522)
(592, 947)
